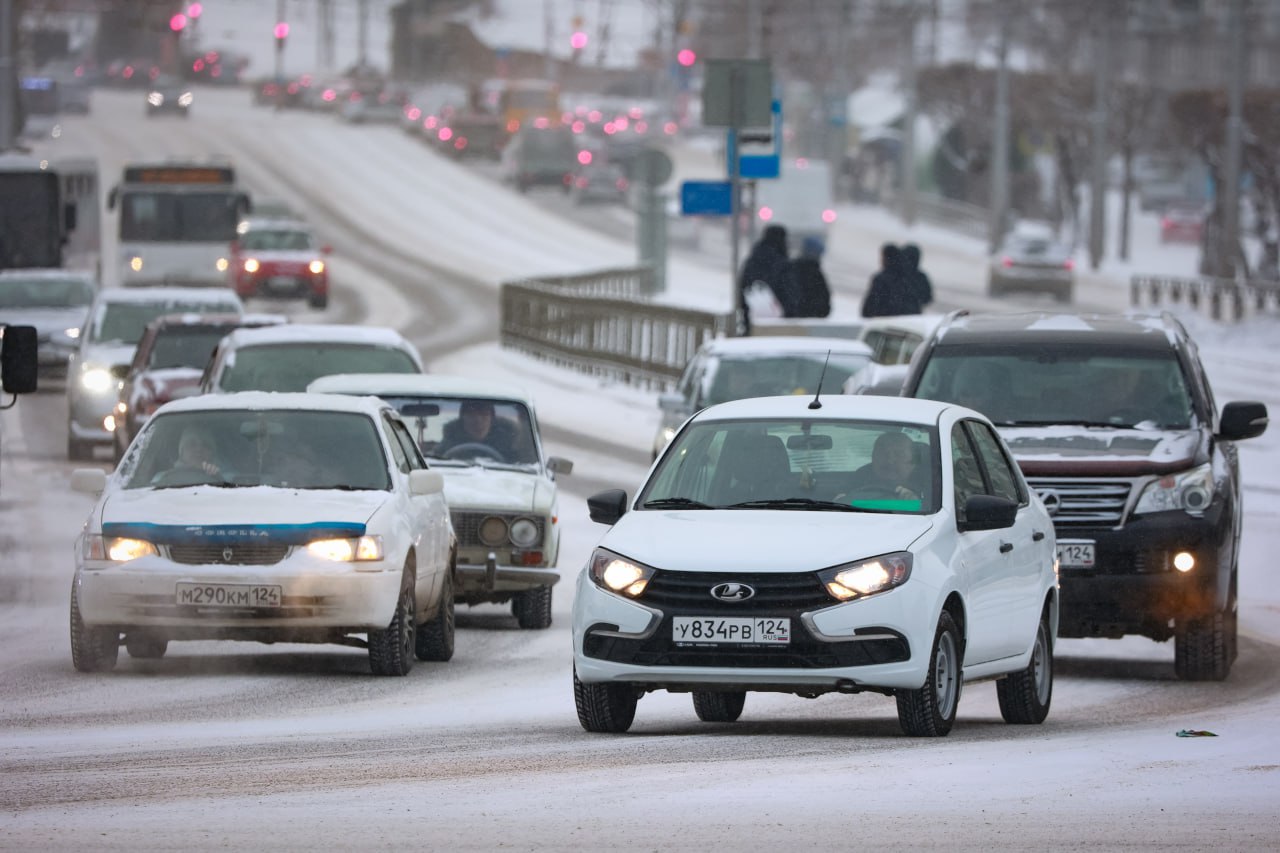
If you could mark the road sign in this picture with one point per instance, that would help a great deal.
(760, 148)
(706, 198)
(653, 167)
(736, 92)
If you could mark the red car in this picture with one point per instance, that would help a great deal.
(1182, 223)
(279, 259)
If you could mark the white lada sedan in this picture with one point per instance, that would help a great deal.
(501, 488)
(848, 544)
(300, 518)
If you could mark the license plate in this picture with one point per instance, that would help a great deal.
(282, 282)
(227, 595)
(1075, 555)
(731, 630)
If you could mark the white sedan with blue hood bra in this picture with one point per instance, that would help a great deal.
(805, 546)
(301, 518)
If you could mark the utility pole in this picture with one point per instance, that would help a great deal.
(908, 164)
(8, 78)
(362, 33)
(1098, 176)
(325, 43)
(1230, 239)
(1000, 138)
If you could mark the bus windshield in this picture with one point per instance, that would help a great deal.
(153, 215)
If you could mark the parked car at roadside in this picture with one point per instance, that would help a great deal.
(863, 544)
(498, 482)
(1183, 222)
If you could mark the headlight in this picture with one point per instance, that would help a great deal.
(221, 264)
(618, 574)
(117, 549)
(184, 100)
(135, 263)
(351, 550)
(73, 332)
(316, 267)
(96, 380)
(1190, 491)
(251, 265)
(155, 99)
(493, 531)
(867, 577)
(524, 532)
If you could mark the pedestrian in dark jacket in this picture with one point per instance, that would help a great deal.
(813, 294)
(887, 294)
(770, 263)
(919, 287)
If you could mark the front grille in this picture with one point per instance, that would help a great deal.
(235, 554)
(690, 593)
(467, 527)
(1097, 503)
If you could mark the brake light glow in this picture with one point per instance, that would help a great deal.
(828, 216)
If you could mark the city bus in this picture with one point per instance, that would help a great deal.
(521, 102)
(35, 221)
(176, 222)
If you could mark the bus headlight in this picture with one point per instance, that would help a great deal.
(221, 264)
(135, 263)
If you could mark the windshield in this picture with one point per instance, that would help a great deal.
(470, 430)
(126, 321)
(185, 346)
(767, 375)
(805, 464)
(289, 448)
(195, 217)
(1062, 385)
(293, 366)
(264, 240)
(45, 292)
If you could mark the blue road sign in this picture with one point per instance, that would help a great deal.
(706, 198)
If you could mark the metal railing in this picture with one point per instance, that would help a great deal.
(1218, 298)
(603, 323)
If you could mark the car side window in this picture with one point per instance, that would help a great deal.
(397, 450)
(1004, 480)
(410, 447)
(966, 468)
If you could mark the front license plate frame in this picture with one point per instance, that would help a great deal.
(228, 595)
(1076, 554)
(731, 630)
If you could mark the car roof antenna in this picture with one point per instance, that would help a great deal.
(815, 403)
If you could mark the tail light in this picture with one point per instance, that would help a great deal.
(1069, 264)
(621, 184)
(1006, 261)
(460, 143)
(828, 216)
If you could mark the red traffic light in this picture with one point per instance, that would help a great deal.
(578, 40)
(194, 10)
(686, 57)
(178, 22)
(281, 31)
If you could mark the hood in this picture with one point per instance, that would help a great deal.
(488, 488)
(758, 540)
(46, 320)
(1101, 451)
(167, 514)
(107, 354)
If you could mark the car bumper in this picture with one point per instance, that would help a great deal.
(846, 647)
(86, 413)
(314, 594)
(290, 286)
(494, 577)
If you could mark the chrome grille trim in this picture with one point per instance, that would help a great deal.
(1086, 502)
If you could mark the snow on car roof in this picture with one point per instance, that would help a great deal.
(320, 333)
(834, 406)
(427, 384)
(255, 400)
(59, 274)
(182, 295)
(768, 345)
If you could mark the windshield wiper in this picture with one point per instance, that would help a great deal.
(792, 503)
(675, 503)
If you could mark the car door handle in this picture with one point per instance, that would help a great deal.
(1006, 547)
(1037, 536)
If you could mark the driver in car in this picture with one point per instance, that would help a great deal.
(195, 457)
(891, 472)
(477, 424)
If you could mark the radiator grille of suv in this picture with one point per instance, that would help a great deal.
(1087, 502)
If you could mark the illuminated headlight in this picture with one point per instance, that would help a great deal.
(117, 549)
(618, 574)
(867, 577)
(221, 264)
(155, 99)
(524, 532)
(184, 100)
(73, 332)
(668, 433)
(1190, 491)
(316, 267)
(135, 263)
(96, 380)
(357, 549)
(251, 265)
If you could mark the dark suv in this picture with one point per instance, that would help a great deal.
(1113, 422)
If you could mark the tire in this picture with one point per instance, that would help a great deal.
(435, 636)
(92, 649)
(605, 708)
(931, 710)
(319, 301)
(391, 649)
(714, 707)
(145, 646)
(1203, 647)
(1025, 696)
(532, 608)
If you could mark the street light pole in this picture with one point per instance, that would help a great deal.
(1000, 139)
(1230, 240)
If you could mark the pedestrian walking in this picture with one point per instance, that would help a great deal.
(812, 293)
(766, 273)
(887, 293)
(919, 288)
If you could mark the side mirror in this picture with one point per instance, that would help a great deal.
(608, 506)
(988, 512)
(1242, 420)
(423, 482)
(89, 481)
(559, 465)
(112, 198)
(672, 402)
(18, 359)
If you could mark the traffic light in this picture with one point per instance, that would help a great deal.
(686, 57)
(578, 40)
(281, 32)
(194, 11)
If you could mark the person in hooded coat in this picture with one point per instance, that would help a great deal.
(768, 262)
(813, 294)
(919, 288)
(887, 293)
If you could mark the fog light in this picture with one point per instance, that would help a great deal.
(109, 423)
(1184, 561)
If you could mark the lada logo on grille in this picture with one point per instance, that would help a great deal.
(732, 592)
(227, 554)
(1051, 499)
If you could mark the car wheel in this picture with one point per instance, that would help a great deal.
(532, 608)
(435, 637)
(319, 301)
(391, 649)
(1024, 696)
(931, 710)
(92, 649)
(608, 708)
(712, 707)
(143, 645)
(1202, 647)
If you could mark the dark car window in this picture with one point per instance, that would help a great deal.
(185, 346)
(44, 292)
(293, 366)
(1004, 481)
